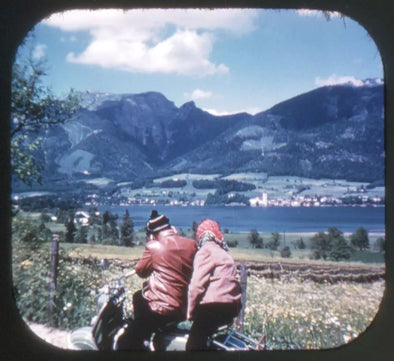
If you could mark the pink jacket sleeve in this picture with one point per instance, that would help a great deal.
(202, 269)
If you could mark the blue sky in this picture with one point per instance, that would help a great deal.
(227, 61)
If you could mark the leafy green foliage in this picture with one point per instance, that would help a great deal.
(220, 198)
(232, 243)
(194, 228)
(31, 232)
(81, 235)
(23, 161)
(172, 183)
(127, 230)
(31, 269)
(340, 248)
(321, 244)
(274, 242)
(74, 305)
(33, 109)
(330, 245)
(255, 240)
(285, 252)
(360, 238)
(223, 186)
(110, 231)
(299, 243)
(70, 230)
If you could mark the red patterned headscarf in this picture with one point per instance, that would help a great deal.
(210, 230)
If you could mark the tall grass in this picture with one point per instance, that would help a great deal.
(291, 313)
(307, 315)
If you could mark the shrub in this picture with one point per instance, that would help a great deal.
(274, 242)
(360, 238)
(321, 243)
(81, 235)
(29, 231)
(340, 250)
(299, 243)
(45, 217)
(285, 252)
(232, 244)
(74, 305)
(255, 240)
(127, 230)
(110, 242)
(315, 255)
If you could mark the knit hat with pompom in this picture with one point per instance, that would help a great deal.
(157, 222)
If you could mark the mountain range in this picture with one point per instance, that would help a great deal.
(332, 132)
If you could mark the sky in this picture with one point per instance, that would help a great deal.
(226, 61)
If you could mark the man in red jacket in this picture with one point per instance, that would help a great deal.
(167, 262)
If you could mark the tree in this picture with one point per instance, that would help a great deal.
(194, 228)
(127, 230)
(330, 245)
(360, 239)
(93, 217)
(274, 242)
(81, 235)
(255, 239)
(232, 243)
(321, 244)
(299, 243)
(33, 109)
(340, 249)
(70, 230)
(110, 229)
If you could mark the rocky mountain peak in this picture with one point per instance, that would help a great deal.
(338, 131)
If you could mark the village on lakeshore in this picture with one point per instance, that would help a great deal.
(260, 191)
(266, 191)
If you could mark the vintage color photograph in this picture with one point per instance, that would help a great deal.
(197, 179)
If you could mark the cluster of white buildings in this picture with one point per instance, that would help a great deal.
(306, 201)
(265, 200)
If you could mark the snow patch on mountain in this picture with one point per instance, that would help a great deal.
(79, 161)
(77, 132)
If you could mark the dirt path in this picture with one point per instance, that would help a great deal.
(51, 335)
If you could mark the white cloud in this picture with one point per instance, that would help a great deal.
(198, 94)
(335, 80)
(39, 51)
(216, 112)
(318, 13)
(164, 41)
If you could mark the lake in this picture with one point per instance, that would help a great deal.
(270, 219)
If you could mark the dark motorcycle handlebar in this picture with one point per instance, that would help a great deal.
(114, 287)
(127, 275)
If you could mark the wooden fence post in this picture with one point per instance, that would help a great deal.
(243, 282)
(53, 276)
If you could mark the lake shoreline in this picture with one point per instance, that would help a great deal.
(263, 219)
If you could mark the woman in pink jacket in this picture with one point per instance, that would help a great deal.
(214, 296)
